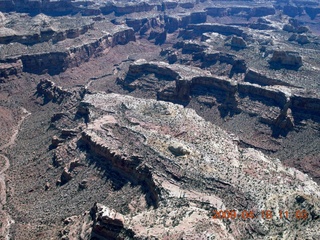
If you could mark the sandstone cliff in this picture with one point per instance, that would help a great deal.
(140, 140)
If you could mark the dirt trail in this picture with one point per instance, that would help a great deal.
(5, 219)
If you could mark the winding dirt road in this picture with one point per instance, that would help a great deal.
(5, 219)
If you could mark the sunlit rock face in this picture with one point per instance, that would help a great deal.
(189, 167)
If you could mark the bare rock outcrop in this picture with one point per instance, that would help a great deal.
(240, 10)
(46, 45)
(151, 167)
(209, 172)
(174, 21)
(255, 76)
(286, 59)
(238, 42)
(13, 67)
(214, 27)
(51, 92)
(2, 19)
(302, 39)
(107, 223)
(278, 100)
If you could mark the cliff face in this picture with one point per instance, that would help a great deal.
(218, 28)
(174, 154)
(114, 155)
(45, 34)
(53, 51)
(8, 68)
(194, 82)
(244, 11)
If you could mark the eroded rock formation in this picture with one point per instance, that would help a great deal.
(115, 166)
(165, 141)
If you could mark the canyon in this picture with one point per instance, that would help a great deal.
(136, 120)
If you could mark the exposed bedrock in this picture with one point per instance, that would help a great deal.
(128, 167)
(12, 67)
(243, 10)
(56, 62)
(107, 223)
(313, 11)
(53, 63)
(299, 38)
(134, 7)
(190, 46)
(136, 23)
(292, 10)
(168, 5)
(277, 97)
(188, 82)
(169, 22)
(215, 27)
(174, 22)
(123, 37)
(50, 92)
(285, 59)
(293, 26)
(207, 55)
(298, 8)
(46, 34)
(254, 76)
(302, 102)
(47, 7)
(160, 69)
(238, 42)
(195, 166)
(68, 7)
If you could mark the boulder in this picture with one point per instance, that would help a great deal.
(83, 184)
(179, 149)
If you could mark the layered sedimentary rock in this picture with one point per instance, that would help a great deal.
(120, 167)
(188, 167)
(53, 51)
(218, 28)
(174, 22)
(238, 42)
(178, 83)
(255, 76)
(245, 11)
(13, 67)
(42, 28)
(286, 59)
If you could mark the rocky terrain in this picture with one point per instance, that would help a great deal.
(137, 120)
